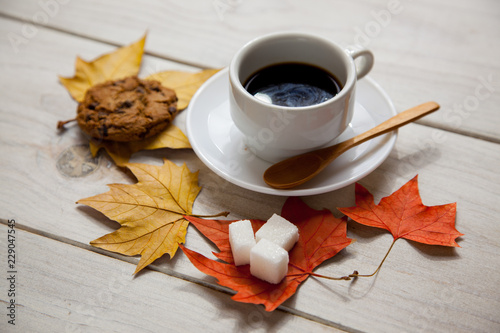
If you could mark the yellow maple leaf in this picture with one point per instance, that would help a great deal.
(151, 212)
(185, 84)
(120, 152)
(123, 62)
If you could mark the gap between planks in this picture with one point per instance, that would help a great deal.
(172, 273)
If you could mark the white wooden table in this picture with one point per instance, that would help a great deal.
(443, 50)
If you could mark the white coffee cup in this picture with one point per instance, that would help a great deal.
(274, 132)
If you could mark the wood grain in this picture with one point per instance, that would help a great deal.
(420, 288)
(420, 54)
(57, 293)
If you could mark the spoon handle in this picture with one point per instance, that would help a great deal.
(391, 124)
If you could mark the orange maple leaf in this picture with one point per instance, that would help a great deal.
(403, 214)
(321, 236)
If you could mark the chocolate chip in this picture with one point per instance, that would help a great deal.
(93, 105)
(127, 104)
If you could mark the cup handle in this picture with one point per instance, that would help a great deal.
(365, 64)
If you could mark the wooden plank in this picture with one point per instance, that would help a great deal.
(56, 292)
(421, 54)
(419, 288)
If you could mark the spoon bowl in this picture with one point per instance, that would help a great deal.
(297, 170)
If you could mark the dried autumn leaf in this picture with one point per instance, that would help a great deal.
(120, 152)
(123, 62)
(151, 212)
(321, 237)
(184, 84)
(404, 215)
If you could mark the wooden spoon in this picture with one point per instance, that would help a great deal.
(298, 169)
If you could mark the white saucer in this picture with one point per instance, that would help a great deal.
(218, 143)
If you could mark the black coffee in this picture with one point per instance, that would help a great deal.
(293, 84)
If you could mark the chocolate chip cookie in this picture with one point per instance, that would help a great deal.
(126, 110)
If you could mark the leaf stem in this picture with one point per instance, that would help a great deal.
(321, 276)
(209, 216)
(330, 277)
(356, 274)
(60, 124)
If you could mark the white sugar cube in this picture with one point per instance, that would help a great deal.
(268, 261)
(279, 231)
(241, 239)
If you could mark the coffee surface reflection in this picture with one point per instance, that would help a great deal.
(293, 85)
